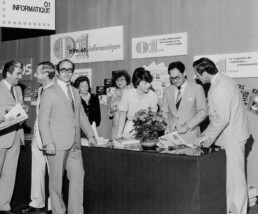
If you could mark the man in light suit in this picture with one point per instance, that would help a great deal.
(11, 137)
(61, 118)
(228, 128)
(184, 103)
(45, 74)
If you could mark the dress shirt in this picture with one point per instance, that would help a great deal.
(182, 90)
(64, 88)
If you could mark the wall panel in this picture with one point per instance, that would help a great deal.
(213, 27)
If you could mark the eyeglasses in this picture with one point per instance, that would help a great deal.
(176, 78)
(120, 80)
(65, 70)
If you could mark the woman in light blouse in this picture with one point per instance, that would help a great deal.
(122, 82)
(135, 99)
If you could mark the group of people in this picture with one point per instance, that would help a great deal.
(65, 113)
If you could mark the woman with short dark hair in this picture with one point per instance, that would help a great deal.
(90, 102)
(133, 100)
(122, 82)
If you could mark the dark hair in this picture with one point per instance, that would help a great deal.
(81, 79)
(178, 65)
(49, 68)
(205, 65)
(122, 73)
(64, 60)
(9, 67)
(139, 75)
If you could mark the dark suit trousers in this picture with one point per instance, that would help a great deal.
(71, 160)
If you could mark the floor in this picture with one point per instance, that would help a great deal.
(17, 205)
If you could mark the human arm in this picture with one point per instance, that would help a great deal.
(44, 121)
(201, 111)
(121, 123)
(219, 115)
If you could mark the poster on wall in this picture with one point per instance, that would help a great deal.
(253, 102)
(159, 46)
(235, 65)
(160, 77)
(245, 91)
(82, 72)
(38, 14)
(104, 44)
(27, 68)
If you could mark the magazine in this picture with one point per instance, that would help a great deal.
(173, 141)
(14, 116)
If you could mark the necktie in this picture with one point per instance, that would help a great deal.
(12, 92)
(70, 96)
(179, 97)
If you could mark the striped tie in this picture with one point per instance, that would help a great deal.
(70, 96)
(12, 92)
(179, 97)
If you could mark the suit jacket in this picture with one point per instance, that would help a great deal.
(6, 101)
(58, 123)
(227, 114)
(36, 136)
(192, 109)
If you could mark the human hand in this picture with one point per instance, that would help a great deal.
(2, 119)
(92, 141)
(203, 141)
(25, 108)
(51, 149)
(183, 129)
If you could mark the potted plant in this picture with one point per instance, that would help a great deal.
(148, 126)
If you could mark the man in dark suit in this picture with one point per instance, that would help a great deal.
(11, 137)
(61, 118)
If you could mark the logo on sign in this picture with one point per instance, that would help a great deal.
(143, 47)
(66, 47)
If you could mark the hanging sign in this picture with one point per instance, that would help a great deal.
(39, 14)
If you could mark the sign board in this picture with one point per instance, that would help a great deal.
(105, 44)
(159, 46)
(235, 65)
(39, 14)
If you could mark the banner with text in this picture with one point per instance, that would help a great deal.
(159, 46)
(236, 65)
(105, 44)
(38, 14)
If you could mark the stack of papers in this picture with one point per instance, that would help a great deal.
(174, 144)
(128, 144)
(14, 116)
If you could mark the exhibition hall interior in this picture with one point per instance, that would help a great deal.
(128, 106)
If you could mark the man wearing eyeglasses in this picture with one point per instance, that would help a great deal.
(11, 137)
(61, 117)
(184, 104)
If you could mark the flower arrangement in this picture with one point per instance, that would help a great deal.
(148, 125)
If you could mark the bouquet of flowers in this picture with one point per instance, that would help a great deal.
(148, 125)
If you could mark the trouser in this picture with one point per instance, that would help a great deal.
(236, 180)
(8, 167)
(71, 160)
(38, 171)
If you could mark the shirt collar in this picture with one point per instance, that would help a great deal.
(62, 83)
(8, 85)
(48, 85)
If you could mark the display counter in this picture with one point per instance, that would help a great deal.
(131, 182)
(142, 182)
